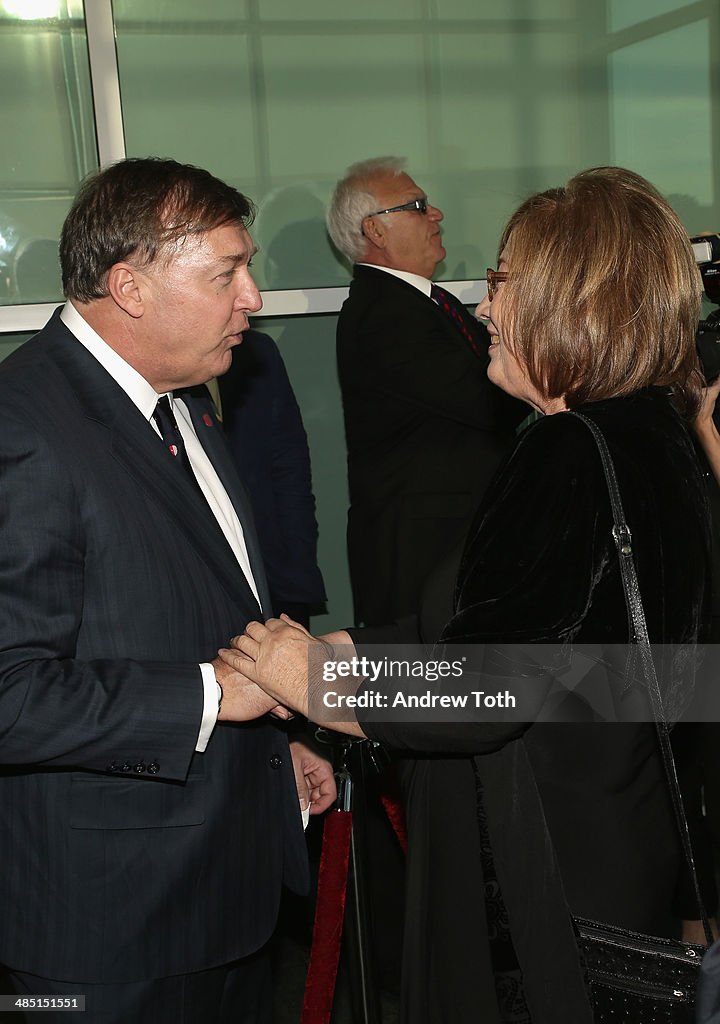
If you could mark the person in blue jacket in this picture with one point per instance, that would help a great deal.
(267, 438)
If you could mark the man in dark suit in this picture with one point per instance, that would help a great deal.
(425, 428)
(148, 810)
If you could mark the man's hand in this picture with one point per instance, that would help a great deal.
(314, 778)
(243, 699)
(279, 653)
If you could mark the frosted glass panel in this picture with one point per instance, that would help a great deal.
(661, 115)
(331, 10)
(496, 150)
(189, 97)
(314, 112)
(142, 15)
(47, 129)
(506, 10)
(623, 13)
(488, 101)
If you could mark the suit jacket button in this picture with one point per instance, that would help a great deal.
(113, 767)
(153, 768)
(140, 767)
(275, 761)
(127, 767)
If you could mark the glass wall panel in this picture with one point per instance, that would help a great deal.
(315, 120)
(492, 151)
(489, 102)
(503, 11)
(662, 118)
(332, 11)
(189, 96)
(47, 127)
(143, 16)
(623, 13)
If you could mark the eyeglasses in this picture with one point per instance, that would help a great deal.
(493, 278)
(420, 205)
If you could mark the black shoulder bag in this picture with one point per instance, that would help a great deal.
(638, 978)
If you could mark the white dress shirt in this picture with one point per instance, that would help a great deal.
(421, 283)
(144, 396)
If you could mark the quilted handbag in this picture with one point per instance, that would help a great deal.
(639, 979)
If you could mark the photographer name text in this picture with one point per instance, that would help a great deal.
(377, 699)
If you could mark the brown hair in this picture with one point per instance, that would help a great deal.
(603, 296)
(139, 208)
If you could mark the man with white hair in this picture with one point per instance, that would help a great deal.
(425, 428)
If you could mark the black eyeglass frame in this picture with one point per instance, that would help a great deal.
(493, 278)
(420, 205)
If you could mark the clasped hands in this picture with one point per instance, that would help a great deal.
(267, 668)
(265, 671)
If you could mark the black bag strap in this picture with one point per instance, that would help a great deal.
(639, 635)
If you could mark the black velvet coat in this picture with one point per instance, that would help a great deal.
(586, 802)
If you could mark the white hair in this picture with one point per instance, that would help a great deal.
(352, 202)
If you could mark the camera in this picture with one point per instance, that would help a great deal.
(706, 249)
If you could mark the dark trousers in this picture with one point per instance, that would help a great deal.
(235, 993)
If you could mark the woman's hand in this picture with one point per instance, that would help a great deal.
(286, 662)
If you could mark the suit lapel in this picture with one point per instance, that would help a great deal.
(136, 446)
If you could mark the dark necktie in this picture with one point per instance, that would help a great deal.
(172, 438)
(450, 306)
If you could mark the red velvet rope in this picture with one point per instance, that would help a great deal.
(390, 800)
(330, 904)
(329, 912)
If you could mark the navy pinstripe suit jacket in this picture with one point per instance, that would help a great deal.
(124, 854)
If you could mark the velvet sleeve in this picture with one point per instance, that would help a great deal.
(539, 545)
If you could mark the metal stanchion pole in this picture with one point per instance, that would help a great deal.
(358, 921)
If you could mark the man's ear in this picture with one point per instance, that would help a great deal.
(125, 286)
(374, 231)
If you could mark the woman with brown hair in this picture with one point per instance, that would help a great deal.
(593, 309)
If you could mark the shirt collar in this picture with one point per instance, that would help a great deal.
(142, 394)
(421, 283)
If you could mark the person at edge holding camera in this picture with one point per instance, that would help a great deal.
(594, 309)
